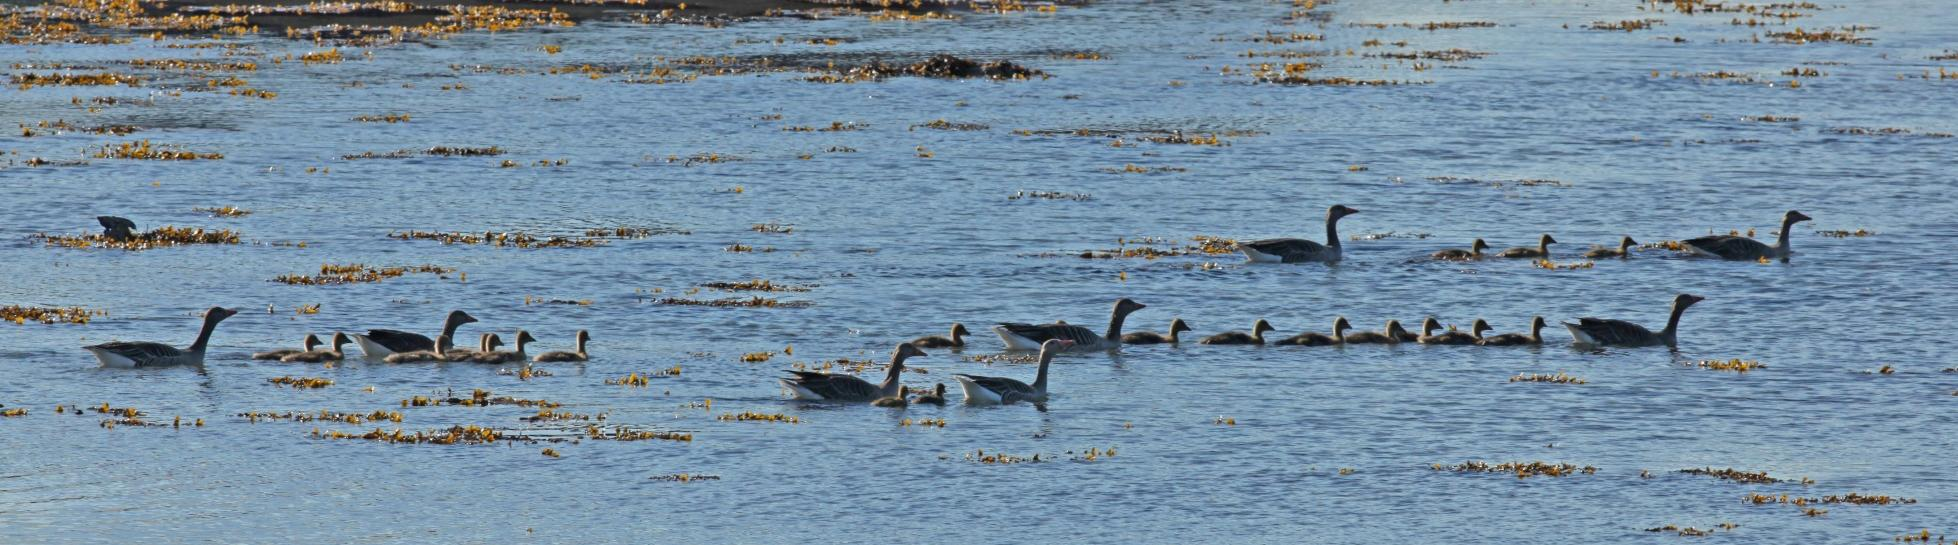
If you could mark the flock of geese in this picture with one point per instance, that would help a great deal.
(394, 346)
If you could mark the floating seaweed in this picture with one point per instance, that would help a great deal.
(383, 118)
(1522, 470)
(224, 211)
(31, 80)
(519, 239)
(750, 416)
(684, 477)
(1846, 35)
(1626, 25)
(301, 382)
(1555, 266)
(943, 125)
(49, 315)
(755, 285)
(356, 273)
(143, 150)
(735, 302)
(1839, 233)
(168, 235)
(1736, 365)
(323, 416)
(638, 380)
(1049, 195)
(1735, 475)
(937, 66)
(1559, 378)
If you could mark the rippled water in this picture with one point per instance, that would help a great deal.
(1329, 444)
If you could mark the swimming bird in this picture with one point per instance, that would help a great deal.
(815, 386)
(1514, 339)
(576, 354)
(957, 339)
(1298, 250)
(1455, 337)
(124, 354)
(311, 342)
(117, 228)
(1151, 337)
(1541, 251)
(317, 356)
(1032, 337)
(1602, 332)
(1256, 336)
(893, 401)
(1408, 336)
(482, 347)
(1391, 335)
(506, 356)
(1624, 250)
(1747, 249)
(936, 397)
(440, 353)
(1458, 254)
(378, 343)
(1340, 326)
(1005, 391)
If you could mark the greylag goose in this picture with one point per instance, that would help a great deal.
(482, 347)
(378, 343)
(1340, 326)
(1032, 337)
(1455, 337)
(492, 355)
(1150, 337)
(116, 228)
(310, 343)
(1458, 254)
(956, 340)
(317, 356)
(1256, 336)
(1004, 391)
(936, 397)
(1624, 250)
(1393, 334)
(1541, 251)
(1747, 249)
(126, 355)
(1602, 332)
(1514, 339)
(815, 386)
(576, 354)
(1298, 250)
(440, 353)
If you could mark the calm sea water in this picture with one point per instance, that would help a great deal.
(1330, 445)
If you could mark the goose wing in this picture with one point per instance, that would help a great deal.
(1145, 337)
(141, 353)
(1288, 249)
(1618, 332)
(1729, 247)
(835, 387)
(400, 341)
(1007, 388)
(1040, 333)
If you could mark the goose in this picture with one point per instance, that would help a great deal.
(317, 356)
(956, 340)
(936, 397)
(116, 228)
(440, 353)
(378, 343)
(1393, 334)
(1458, 254)
(1541, 251)
(1256, 336)
(815, 386)
(311, 342)
(1602, 332)
(492, 355)
(482, 347)
(1032, 337)
(1454, 337)
(1747, 249)
(1514, 339)
(1624, 250)
(1151, 337)
(1340, 326)
(577, 354)
(1298, 250)
(127, 355)
(1005, 391)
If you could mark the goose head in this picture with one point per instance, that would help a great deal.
(938, 390)
(218, 314)
(1394, 329)
(1536, 325)
(1478, 246)
(1053, 346)
(1339, 211)
(494, 341)
(1546, 240)
(311, 343)
(1340, 325)
(1479, 327)
(1261, 327)
(1626, 243)
(582, 336)
(958, 330)
(1429, 325)
(1126, 305)
(1686, 300)
(1177, 326)
(906, 350)
(340, 339)
(1794, 216)
(523, 338)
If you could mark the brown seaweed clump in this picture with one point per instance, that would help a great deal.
(356, 273)
(937, 66)
(49, 315)
(168, 235)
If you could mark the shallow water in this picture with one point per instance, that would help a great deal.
(899, 245)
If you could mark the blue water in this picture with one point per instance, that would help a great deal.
(1329, 445)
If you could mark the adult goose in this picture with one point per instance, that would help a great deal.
(1454, 337)
(815, 386)
(1256, 336)
(1005, 391)
(1298, 250)
(317, 356)
(116, 228)
(1391, 335)
(128, 355)
(1032, 336)
(492, 355)
(310, 343)
(1514, 339)
(1747, 249)
(1458, 254)
(1320, 339)
(1624, 250)
(1541, 251)
(378, 343)
(1602, 332)
(576, 354)
(955, 340)
(440, 353)
(1150, 337)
